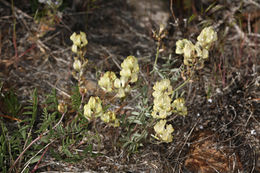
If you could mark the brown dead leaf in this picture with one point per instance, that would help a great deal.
(206, 156)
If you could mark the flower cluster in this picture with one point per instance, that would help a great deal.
(110, 117)
(94, 107)
(163, 107)
(207, 37)
(79, 41)
(198, 52)
(164, 134)
(79, 47)
(130, 69)
(106, 82)
(129, 74)
(162, 100)
(179, 107)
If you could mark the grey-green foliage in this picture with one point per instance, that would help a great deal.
(168, 70)
(137, 124)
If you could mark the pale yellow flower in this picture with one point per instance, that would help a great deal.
(162, 107)
(106, 117)
(180, 44)
(164, 135)
(162, 101)
(116, 123)
(106, 82)
(74, 48)
(79, 40)
(179, 107)
(121, 87)
(117, 83)
(126, 72)
(205, 53)
(162, 87)
(130, 69)
(76, 39)
(120, 93)
(110, 117)
(207, 37)
(93, 107)
(87, 111)
(159, 127)
(83, 39)
(77, 65)
(130, 63)
(201, 52)
(167, 135)
(120, 83)
(189, 50)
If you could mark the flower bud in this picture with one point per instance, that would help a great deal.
(62, 107)
(77, 65)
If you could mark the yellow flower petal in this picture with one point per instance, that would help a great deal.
(83, 39)
(74, 48)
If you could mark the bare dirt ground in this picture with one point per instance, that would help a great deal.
(222, 130)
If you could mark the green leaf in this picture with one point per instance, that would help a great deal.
(67, 152)
(28, 113)
(191, 18)
(35, 159)
(136, 113)
(45, 139)
(76, 98)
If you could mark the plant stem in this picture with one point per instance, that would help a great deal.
(180, 86)
(157, 54)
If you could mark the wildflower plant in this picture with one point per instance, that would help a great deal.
(194, 57)
(134, 126)
(109, 82)
(163, 107)
(80, 62)
(196, 54)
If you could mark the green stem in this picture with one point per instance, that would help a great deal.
(180, 86)
(157, 54)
